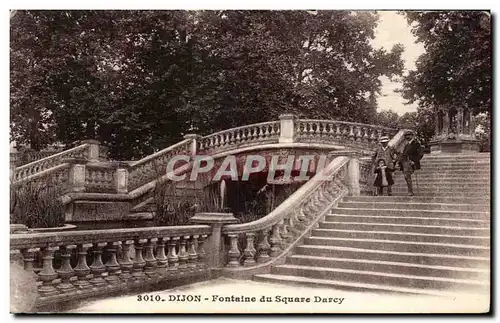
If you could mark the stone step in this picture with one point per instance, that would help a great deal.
(348, 286)
(483, 172)
(416, 199)
(479, 167)
(398, 215)
(465, 230)
(432, 188)
(415, 206)
(402, 245)
(419, 192)
(443, 181)
(372, 277)
(459, 161)
(407, 236)
(424, 258)
(389, 267)
(454, 157)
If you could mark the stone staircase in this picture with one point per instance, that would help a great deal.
(436, 243)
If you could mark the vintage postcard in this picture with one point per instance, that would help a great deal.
(244, 161)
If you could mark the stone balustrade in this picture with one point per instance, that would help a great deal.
(151, 167)
(45, 164)
(261, 241)
(81, 264)
(100, 178)
(96, 176)
(259, 133)
(349, 133)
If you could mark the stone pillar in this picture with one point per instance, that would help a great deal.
(287, 128)
(446, 123)
(77, 174)
(93, 155)
(354, 174)
(436, 129)
(194, 143)
(121, 178)
(460, 113)
(472, 124)
(214, 244)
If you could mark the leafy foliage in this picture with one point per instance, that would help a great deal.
(139, 80)
(36, 205)
(455, 69)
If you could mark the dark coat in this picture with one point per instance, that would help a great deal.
(387, 155)
(388, 177)
(412, 151)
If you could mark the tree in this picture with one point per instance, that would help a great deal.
(388, 118)
(139, 80)
(455, 69)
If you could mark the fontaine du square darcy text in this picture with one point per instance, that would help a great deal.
(197, 298)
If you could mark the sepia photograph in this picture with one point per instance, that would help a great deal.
(250, 161)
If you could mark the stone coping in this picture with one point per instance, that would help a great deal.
(52, 239)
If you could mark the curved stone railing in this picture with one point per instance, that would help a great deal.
(341, 131)
(122, 259)
(259, 133)
(272, 236)
(47, 163)
(149, 168)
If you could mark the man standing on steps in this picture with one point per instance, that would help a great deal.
(409, 158)
(387, 153)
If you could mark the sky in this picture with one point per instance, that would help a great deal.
(392, 29)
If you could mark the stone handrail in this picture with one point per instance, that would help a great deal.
(122, 259)
(260, 132)
(149, 168)
(349, 132)
(19, 158)
(268, 237)
(57, 175)
(46, 163)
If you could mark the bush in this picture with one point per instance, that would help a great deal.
(36, 205)
(171, 207)
(483, 131)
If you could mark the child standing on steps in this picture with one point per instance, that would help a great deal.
(383, 178)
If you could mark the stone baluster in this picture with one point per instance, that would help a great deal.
(234, 252)
(351, 131)
(201, 251)
(66, 272)
(183, 255)
(81, 269)
(192, 255)
(264, 247)
(48, 274)
(28, 258)
(160, 254)
(249, 252)
(149, 257)
(125, 263)
(283, 230)
(112, 265)
(275, 240)
(97, 268)
(238, 137)
(173, 259)
(139, 263)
